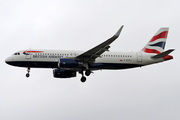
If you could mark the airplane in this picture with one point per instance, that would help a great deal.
(66, 63)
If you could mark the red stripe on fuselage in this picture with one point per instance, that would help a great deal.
(160, 35)
(33, 51)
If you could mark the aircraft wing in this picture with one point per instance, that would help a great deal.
(90, 55)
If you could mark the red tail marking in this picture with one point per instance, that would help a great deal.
(168, 57)
(160, 35)
(151, 51)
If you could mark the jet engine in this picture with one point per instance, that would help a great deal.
(68, 63)
(60, 73)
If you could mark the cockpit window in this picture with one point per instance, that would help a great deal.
(17, 53)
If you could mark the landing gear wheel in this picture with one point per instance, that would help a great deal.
(88, 72)
(83, 79)
(28, 70)
(27, 75)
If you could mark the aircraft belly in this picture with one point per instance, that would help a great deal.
(35, 64)
(115, 65)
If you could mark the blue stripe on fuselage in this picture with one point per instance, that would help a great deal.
(35, 64)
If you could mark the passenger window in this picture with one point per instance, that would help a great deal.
(15, 53)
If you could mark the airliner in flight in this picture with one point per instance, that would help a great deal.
(66, 63)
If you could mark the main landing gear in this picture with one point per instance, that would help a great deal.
(83, 79)
(28, 70)
(87, 73)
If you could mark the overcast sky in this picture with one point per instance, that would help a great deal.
(147, 93)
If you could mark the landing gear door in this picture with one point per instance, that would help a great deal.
(139, 57)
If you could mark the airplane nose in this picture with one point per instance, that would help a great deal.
(10, 61)
(7, 60)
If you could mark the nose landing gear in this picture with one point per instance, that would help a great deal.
(28, 70)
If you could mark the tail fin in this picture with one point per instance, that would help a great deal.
(157, 43)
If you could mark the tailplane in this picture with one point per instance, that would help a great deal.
(164, 55)
(157, 42)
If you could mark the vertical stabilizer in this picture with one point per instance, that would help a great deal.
(157, 42)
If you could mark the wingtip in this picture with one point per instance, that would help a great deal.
(171, 50)
(119, 31)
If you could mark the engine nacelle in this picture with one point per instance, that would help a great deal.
(59, 73)
(68, 63)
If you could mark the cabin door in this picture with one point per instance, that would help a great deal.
(139, 57)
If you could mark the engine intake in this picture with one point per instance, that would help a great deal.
(60, 73)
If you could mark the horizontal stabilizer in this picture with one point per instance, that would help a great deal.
(163, 54)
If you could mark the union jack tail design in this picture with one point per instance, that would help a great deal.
(157, 43)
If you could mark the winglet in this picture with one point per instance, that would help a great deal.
(119, 31)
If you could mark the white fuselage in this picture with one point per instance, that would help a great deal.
(108, 60)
